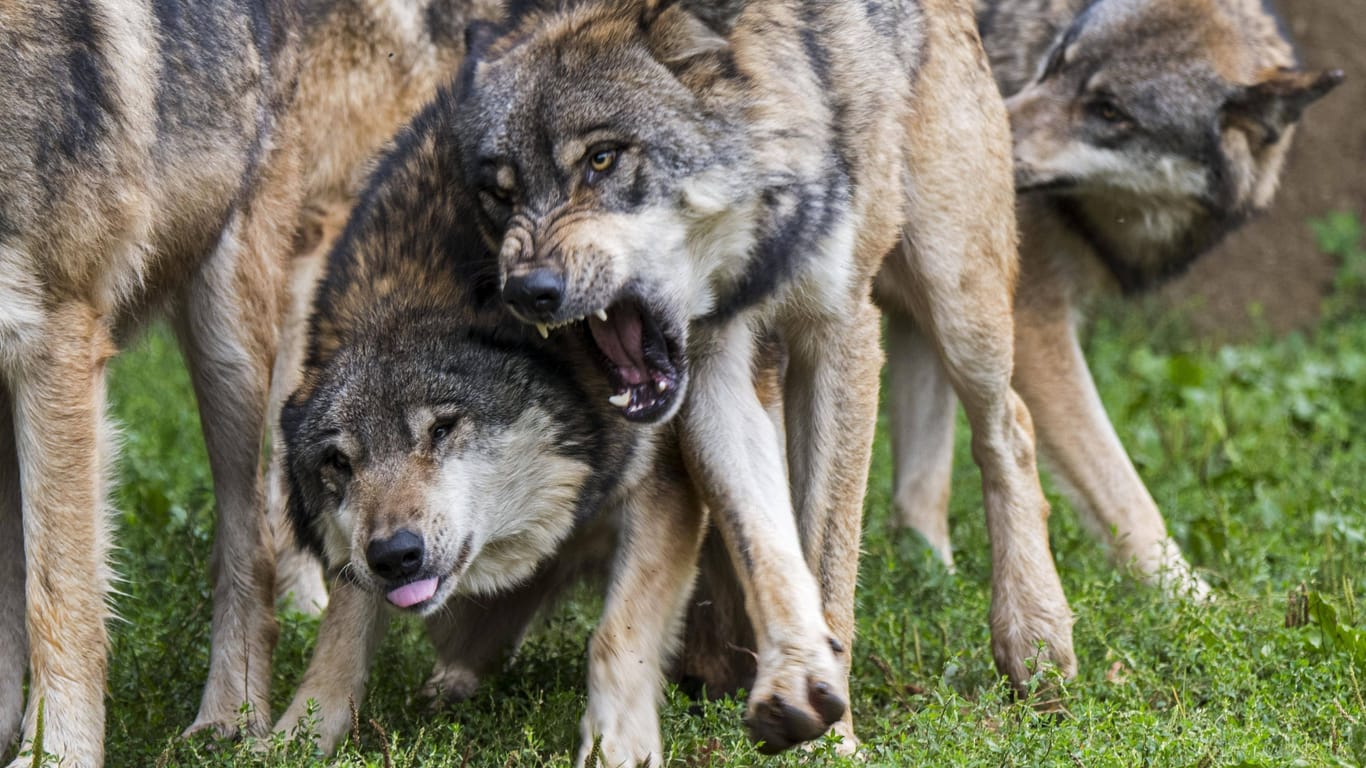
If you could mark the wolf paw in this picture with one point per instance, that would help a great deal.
(449, 684)
(798, 702)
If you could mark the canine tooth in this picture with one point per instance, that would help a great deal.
(579, 319)
(661, 385)
(620, 399)
(545, 332)
(601, 314)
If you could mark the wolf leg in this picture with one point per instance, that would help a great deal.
(955, 274)
(351, 630)
(1079, 442)
(65, 449)
(473, 635)
(13, 635)
(298, 574)
(228, 326)
(641, 620)
(733, 452)
(921, 408)
(831, 402)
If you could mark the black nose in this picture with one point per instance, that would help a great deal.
(396, 557)
(535, 294)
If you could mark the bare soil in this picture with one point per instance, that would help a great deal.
(1272, 264)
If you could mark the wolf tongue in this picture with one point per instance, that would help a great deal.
(620, 340)
(413, 593)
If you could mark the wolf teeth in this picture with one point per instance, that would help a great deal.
(620, 399)
(601, 314)
(544, 330)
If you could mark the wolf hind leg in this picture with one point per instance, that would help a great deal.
(921, 404)
(955, 273)
(642, 618)
(65, 450)
(734, 454)
(13, 634)
(1079, 442)
(298, 574)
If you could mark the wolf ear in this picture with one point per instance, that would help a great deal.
(681, 29)
(1268, 108)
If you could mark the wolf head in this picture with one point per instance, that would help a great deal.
(436, 463)
(1178, 110)
(601, 175)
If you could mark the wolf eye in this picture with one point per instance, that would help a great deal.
(441, 430)
(336, 461)
(600, 164)
(1107, 110)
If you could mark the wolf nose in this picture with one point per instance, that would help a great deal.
(537, 293)
(396, 557)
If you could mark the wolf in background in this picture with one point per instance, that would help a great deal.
(1144, 131)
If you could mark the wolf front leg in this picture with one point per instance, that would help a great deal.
(733, 452)
(65, 449)
(1079, 442)
(955, 274)
(830, 403)
(641, 622)
(348, 637)
(921, 405)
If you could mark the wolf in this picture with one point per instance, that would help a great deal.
(447, 462)
(149, 165)
(669, 181)
(367, 68)
(1144, 131)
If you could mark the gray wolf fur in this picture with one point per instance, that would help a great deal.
(444, 458)
(672, 180)
(1143, 132)
(367, 67)
(148, 164)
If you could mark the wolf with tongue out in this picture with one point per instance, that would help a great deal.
(709, 172)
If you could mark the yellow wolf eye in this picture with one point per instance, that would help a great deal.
(602, 162)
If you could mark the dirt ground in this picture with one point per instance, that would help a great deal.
(1273, 262)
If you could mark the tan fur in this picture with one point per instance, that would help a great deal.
(138, 231)
(1150, 211)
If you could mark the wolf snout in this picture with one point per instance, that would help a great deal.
(535, 294)
(396, 558)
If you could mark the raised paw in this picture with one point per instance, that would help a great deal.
(780, 721)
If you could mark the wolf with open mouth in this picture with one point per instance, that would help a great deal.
(669, 180)
(447, 463)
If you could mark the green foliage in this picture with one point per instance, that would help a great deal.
(1339, 234)
(1255, 453)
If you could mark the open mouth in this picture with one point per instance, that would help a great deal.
(640, 359)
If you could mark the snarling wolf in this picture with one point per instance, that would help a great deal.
(148, 163)
(1144, 131)
(447, 461)
(667, 181)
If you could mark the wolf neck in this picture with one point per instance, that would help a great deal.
(1143, 245)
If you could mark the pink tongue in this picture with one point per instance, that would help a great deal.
(620, 340)
(409, 595)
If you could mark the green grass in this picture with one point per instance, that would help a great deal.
(1256, 454)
